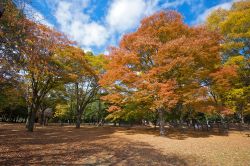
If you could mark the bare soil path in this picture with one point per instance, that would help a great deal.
(55, 145)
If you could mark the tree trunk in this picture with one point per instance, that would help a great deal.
(242, 118)
(31, 120)
(78, 119)
(207, 123)
(78, 116)
(155, 124)
(162, 122)
(223, 125)
(42, 118)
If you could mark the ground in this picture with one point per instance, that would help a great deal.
(56, 145)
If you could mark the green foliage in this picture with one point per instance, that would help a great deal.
(96, 61)
(234, 25)
(164, 64)
(95, 112)
(62, 111)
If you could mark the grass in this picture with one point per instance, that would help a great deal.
(56, 145)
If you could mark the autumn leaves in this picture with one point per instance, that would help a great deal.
(166, 63)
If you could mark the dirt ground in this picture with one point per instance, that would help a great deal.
(56, 145)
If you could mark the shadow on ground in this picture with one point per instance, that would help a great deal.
(174, 133)
(69, 146)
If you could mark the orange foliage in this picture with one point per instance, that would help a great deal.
(113, 108)
(163, 62)
(224, 76)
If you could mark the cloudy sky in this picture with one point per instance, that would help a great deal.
(97, 24)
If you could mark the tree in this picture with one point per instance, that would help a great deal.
(12, 102)
(163, 63)
(238, 96)
(12, 25)
(41, 71)
(11, 37)
(95, 112)
(62, 111)
(84, 70)
(234, 25)
(28, 49)
(56, 96)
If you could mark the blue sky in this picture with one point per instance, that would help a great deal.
(97, 24)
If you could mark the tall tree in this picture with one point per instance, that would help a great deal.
(40, 69)
(164, 62)
(27, 50)
(12, 26)
(84, 70)
(12, 37)
(234, 25)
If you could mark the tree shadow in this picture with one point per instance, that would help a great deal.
(85, 146)
(174, 133)
(136, 154)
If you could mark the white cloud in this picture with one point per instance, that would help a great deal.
(86, 49)
(202, 17)
(73, 18)
(78, 25)
(36, 16)
(124, 15)
(89, 34)
(176, 3)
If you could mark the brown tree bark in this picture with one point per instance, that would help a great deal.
(82, 100)
(78, 120)
(31, 120)
(161, 122)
